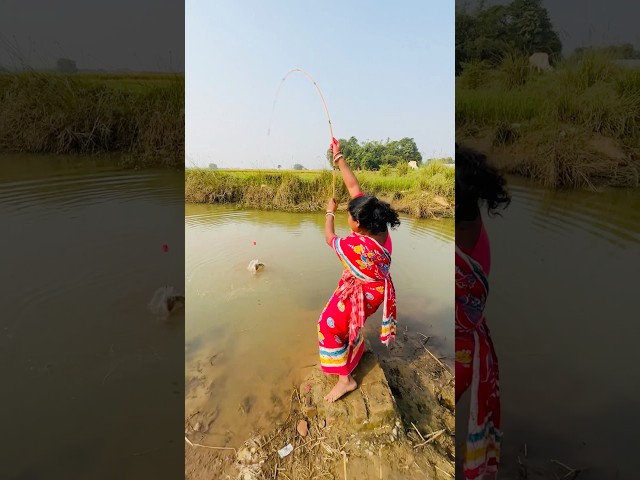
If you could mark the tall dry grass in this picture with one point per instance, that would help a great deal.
(575, 126)
(515, 70)
(592, 92)
(426, 192)
(141, 117)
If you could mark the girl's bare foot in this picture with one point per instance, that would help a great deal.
(340, 388)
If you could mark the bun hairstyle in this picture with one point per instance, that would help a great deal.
(372, 214)
(477, 183)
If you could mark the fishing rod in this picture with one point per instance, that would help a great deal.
(324, 104)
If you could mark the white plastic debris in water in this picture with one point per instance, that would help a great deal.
(255, 266)
(158, 304)
(283, 452)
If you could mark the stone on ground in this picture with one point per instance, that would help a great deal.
(369, 408)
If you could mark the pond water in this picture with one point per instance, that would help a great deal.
(251, 338)
(563, 313)
(92, 381)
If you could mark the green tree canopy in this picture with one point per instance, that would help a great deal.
(489, 33)
(371, 155)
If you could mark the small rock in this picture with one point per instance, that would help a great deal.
(253, 449)
(392, 438)
(198, 427)
(322, 423)
(303, 428)
(394, 432)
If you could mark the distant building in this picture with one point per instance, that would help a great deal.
(413, 164)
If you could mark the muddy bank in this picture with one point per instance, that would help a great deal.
(562, 157)
(398, 424)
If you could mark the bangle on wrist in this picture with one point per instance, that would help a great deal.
(330, 213)
(338, 157)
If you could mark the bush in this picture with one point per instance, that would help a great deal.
(474, 73)
(515, 68)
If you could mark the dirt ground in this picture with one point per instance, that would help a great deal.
(410, 436)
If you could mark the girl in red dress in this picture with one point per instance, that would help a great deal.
(365, 283)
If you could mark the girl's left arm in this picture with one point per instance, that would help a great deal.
(329, 222)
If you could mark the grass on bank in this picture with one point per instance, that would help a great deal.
(575, 126)
(138, 115)
(425, 192)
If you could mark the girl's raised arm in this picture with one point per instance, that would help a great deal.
(350, 180)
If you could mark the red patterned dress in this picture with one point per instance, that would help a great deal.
(365, 285)
(476, 367)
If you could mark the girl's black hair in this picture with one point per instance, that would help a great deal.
(373, 215)
(477, 182)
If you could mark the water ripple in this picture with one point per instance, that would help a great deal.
(612, 215)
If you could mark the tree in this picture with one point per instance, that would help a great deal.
(368, 162)
(532, 30)
(297, 166)
(279, 167)
(66, 65)
(372, 155)
(482, 36)
(489, 33)
(409, 150)
(351, 151)
(213, 166)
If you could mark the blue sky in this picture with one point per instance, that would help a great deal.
(386, 70)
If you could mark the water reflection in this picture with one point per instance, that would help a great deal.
(80, 356)
(612, 215)
(295, 223)
(563, 288)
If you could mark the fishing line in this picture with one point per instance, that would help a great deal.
(324, 104)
